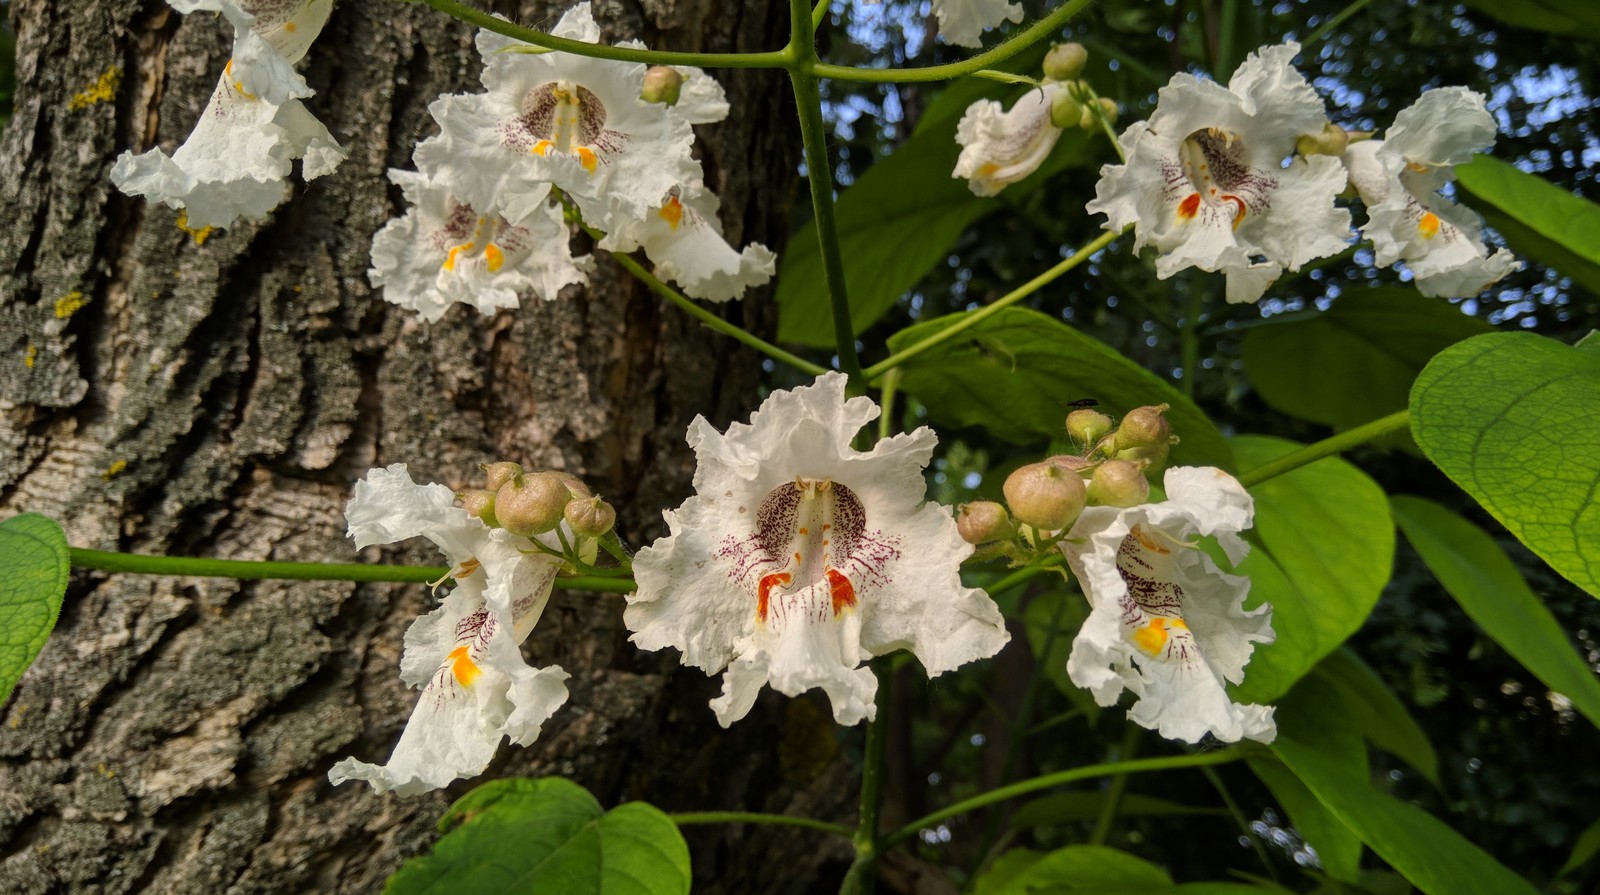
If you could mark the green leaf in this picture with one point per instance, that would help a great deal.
(898, 221)
(1079, 869)
(1052, 619)
(1481, 578)
(1436, 859)
(1538, 219)
(1511, 418)
(34, 551)
(1337, 847)
(1016, 372)
(1355, 362)
(1324, 548)
(1072, 807)
(1568, 18)
(1004, 870)
(532, 837)
(1377, 713)
(1584, 850)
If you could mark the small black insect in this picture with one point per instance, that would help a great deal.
(1083, 404)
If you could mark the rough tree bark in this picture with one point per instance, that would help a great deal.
(219, 399)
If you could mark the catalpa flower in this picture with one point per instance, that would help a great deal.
(962, 22)
(1165, 623)
(799, 558)
(1399, 178)
(684, 240)
(465, 655)
(1205, 182)
(1000, 147)
(236, 159)
(442, 251)
(563, 120)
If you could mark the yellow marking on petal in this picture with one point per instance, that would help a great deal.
(588, 159)
(238, 86)
(450, 259)
(672, 212)
(103, 90)
(1149, 542)
(199, 235)
(987, 168)
(69, 304)
(290, 27)
(493, 257)
(30, 356)
(541, 147)
(462, 667)
(1152, 638)
(1429, 225)
(1416, 167)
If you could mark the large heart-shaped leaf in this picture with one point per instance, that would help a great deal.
(1355, 362)
(34, 552)
(1324, 548)
(1538, 219)
(1479, 575)
(531, 837)
(1016, 372)
(1513, 419)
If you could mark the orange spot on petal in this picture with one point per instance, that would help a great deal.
(588, 159)
(462, 667)
(842, 592)
(1429, 225)
(764, 592)
(672, 213)
(1189, 207)
(493, 257)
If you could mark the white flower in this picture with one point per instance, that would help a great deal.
(799, 558)
(558, 119)
(701, 100)
(1164, 622)
(1204, 181)
(466, 654)
(684, 239)
(236, 159)
(442, 251)
(962, 22)
(1399, 178)
(1000, 147)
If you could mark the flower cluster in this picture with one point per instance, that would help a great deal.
(486, 223)
(237, 159)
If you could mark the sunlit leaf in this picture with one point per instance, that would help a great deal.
(1512, 418)
(1584, 850)
(1564, 17)
(532, 837)
(34, 551)
(1539, 220)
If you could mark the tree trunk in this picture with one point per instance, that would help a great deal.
(219, 399)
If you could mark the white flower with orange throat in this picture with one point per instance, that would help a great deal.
(466, 655)
(799, 558)
(1001, 146)
(236, 161)
(1399, 179)
(1165, 623)
(1206, 184)
(683, 239)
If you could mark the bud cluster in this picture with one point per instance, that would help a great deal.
(1044, 499)
(1078, 105)
(535, 503)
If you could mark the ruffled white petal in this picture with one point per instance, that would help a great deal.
(1204, 184)
(466, 654)
(701, 100)
(799, 557)
(962, 22)
(1165, 623)
(684, 240)
(1399, 178)
(1000, 147)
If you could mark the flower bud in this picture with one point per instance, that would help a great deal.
(1069, 463)
(983, 521)
(574, 484)
(1152, 456)
(662, 84)
(1065, 61)
(1119, 483)
(1332, 141)
(1086, 426)
(1065, 110)
(590, 517)
(479, 503)
(531, 504)
(1045, 496)
(497, 474)
(1108, 109)
(1144, 427)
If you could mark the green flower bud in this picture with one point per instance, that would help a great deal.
(532, 504)
(479, 503)
(983, 521)
(1119, 483)
(590, 517)
(662, 84)
(1152, 456)
(1108, 109)
(574, 484)
(1086, 426)
(1144, 427)
(1333, 140)
(497, 474)
(1065, 61)
(1069, 463)
(1045, 496)
(1065, 110)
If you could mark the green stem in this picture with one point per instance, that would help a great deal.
(1201, 759)
(747, 817)
(1240, 819)
(250, 570)
(1327, 447)
(1035, 33)
(709, 319)
(773, 59)
(808, 100)
(1337, 20)
(890, 388)
(976, 317)
(1119, 785)
(862, 876)
(818, 13)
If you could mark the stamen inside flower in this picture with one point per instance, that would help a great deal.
(1214, 165)
(566, 118)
